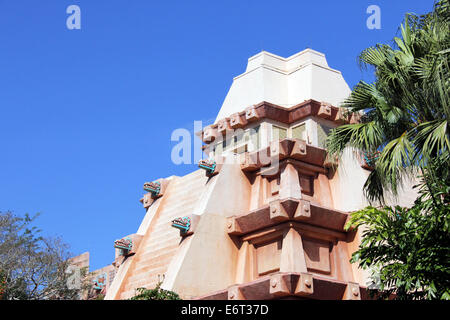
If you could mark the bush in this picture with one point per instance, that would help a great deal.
(155, 294)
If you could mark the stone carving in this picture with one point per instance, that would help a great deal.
(209, 134)
(236, 121)
(153, 187)
(370, 158)
(325, 110)
(251, 114)
(223, 126)
(184, 224)
(100, 281)
(208, 165)
(124, 244)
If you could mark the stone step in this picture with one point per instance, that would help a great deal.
(161, 254)
(180, 207)
(170, 236)
(147, 275)
(158, 248)
(158, 245)
(146, 280)
(155, 263)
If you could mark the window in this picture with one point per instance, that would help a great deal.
(299, 132)
(278, 133)
(240, 149)
(240, 138)
(254, 138)
(218, 149)
(243, 141)
(322, 133)
(227, 144)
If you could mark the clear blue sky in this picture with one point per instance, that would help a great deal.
(86, 115)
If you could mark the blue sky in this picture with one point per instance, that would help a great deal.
(86, 115)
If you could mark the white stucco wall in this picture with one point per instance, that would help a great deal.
(285, 81)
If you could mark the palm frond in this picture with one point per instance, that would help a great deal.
(362, 136)
(431, 140)
(405, 111)
(396, 157)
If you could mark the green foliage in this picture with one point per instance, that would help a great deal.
(408, 249)
(405, 110)
(404, 116)
(155, 294)
(100, 297)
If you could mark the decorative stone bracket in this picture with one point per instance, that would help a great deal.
(124, 244)
(282, 285)
(369, 159)
(186, 224)
(99, 282)
(253, 113)
(290, 284)
(155, 190)
(126, 247)
(266, 110)
(285, 210)
(237, 121)
(286, 149)
(153, 187)
(209, 134)
(211, 166)
(223, 126)
(325, 111)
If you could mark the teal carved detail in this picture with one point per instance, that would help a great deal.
(124, 244)
(370, 158)
(100, 281)
(184, 224)
(208, 165)
(153, 187)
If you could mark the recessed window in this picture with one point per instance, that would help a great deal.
(299, 132)
(243, 141)
(227, 144)
(322, 133)
(278, 133)
(240, 149)
(254, 138)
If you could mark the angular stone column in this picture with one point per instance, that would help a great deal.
(290, 183)
(246, 264)
(292, 253)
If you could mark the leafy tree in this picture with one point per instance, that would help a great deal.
(32, 267)
(2, 284)
(408, 249)
(155, 294)
(404, 117)
(405, 111)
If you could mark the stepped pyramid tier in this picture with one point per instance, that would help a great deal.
(264, 216)
(285, 82)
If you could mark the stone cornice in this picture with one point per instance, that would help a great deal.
(294, 210)
(291, 284)
(267, 110)
(295, 151)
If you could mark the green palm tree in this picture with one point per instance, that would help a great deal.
(403, 114)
